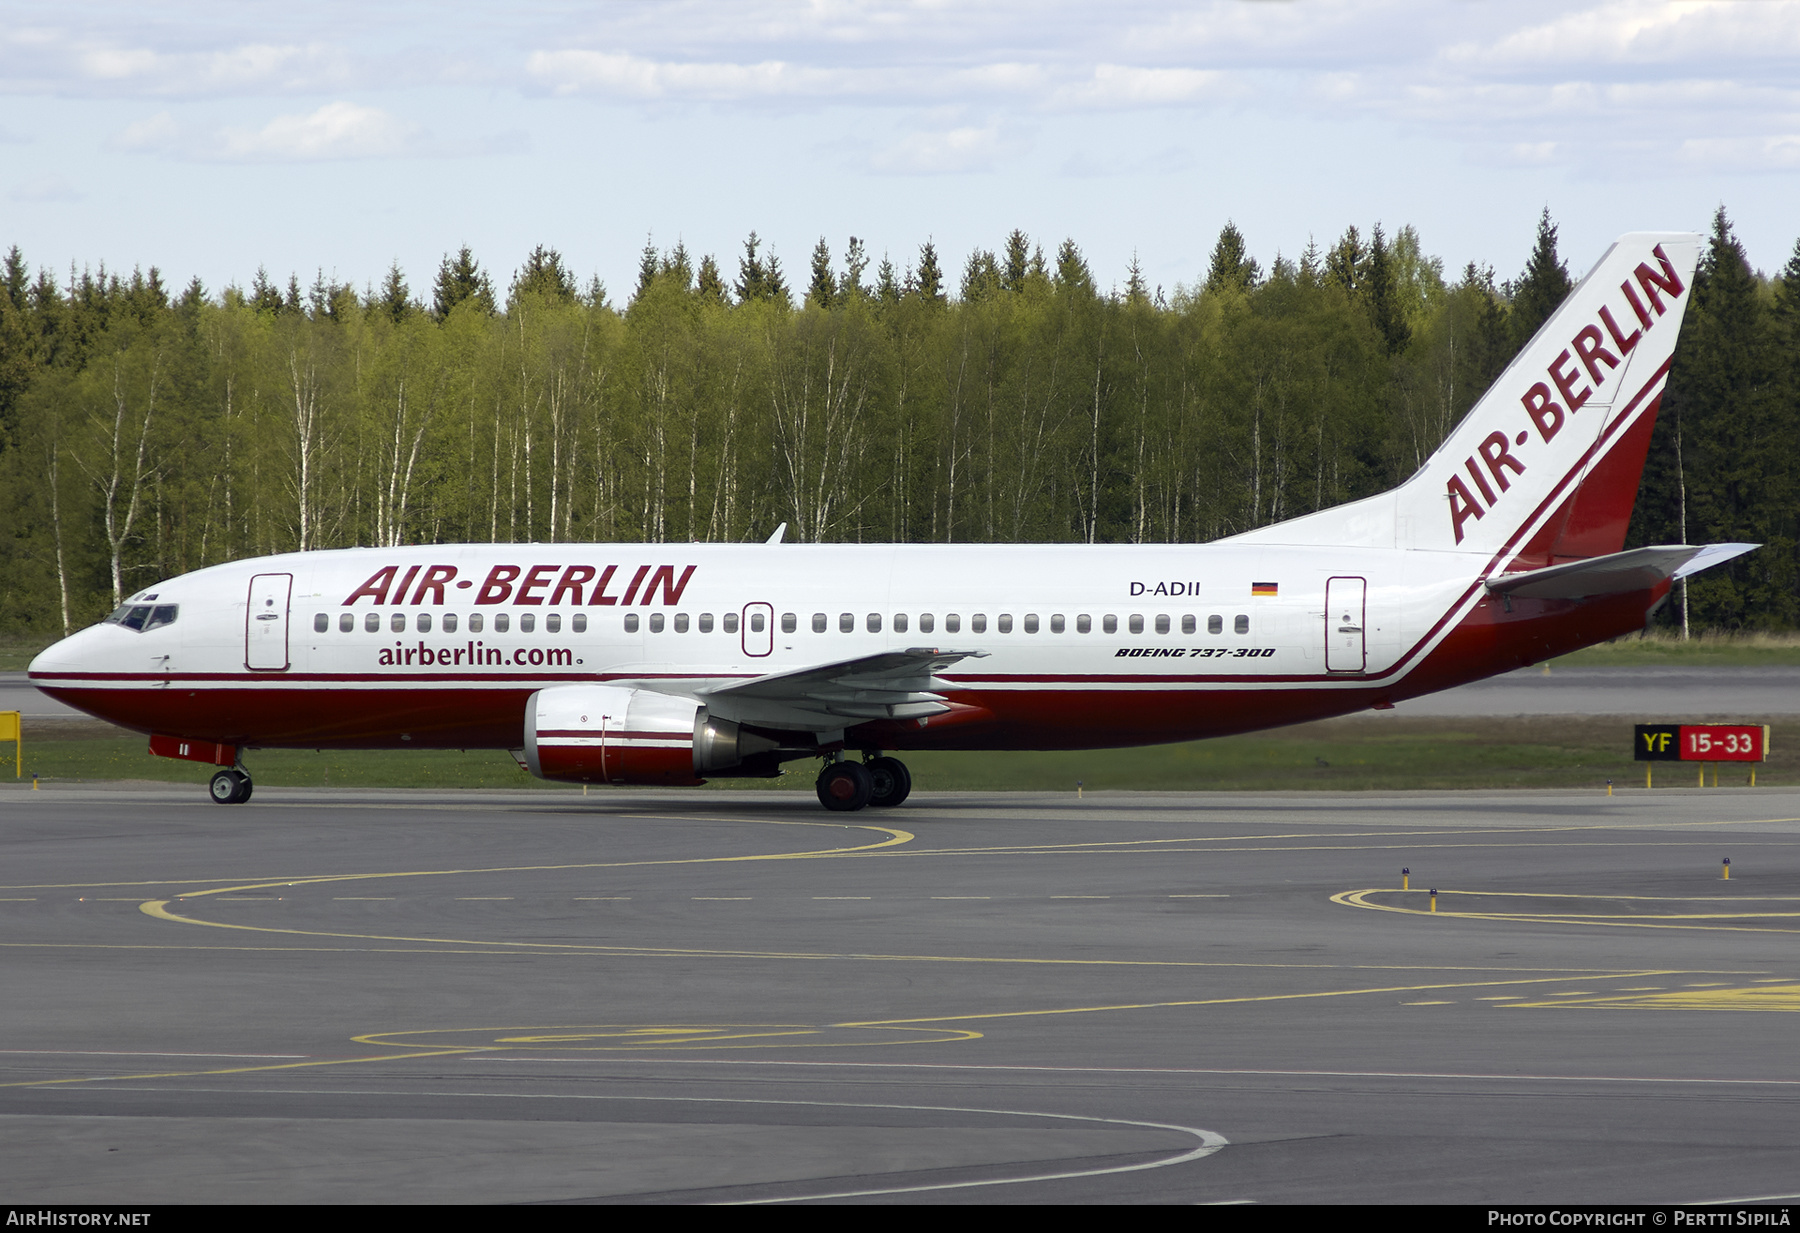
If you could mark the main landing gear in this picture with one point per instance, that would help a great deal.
(848, 786)
(230, 787)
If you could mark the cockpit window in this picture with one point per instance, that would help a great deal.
(143, 617)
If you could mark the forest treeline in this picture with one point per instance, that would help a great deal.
(146, 430)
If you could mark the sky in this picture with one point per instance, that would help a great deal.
(211, 139)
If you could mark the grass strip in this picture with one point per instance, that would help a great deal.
(1362, 753)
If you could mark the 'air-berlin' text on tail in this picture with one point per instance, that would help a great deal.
(1545, 468)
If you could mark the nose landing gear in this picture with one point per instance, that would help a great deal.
(230, 787)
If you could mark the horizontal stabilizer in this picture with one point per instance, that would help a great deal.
(1620, 573)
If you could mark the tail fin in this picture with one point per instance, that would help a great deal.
(1545, 467)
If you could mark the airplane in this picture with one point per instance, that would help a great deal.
(671, 664)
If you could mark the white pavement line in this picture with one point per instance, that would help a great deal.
(1209, 1141)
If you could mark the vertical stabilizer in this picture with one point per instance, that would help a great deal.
(1545, 467)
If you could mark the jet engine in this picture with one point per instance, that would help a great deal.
(613, 734)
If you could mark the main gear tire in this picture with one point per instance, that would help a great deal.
(845, 787)
(892, 782)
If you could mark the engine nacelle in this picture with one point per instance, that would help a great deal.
(612, 734)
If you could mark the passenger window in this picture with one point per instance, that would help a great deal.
(1241, 624)
(1215, 624)
(899, 622)
(926, 624)
(731, 622)
(1137, 623)
(1162, 622)
(553, 622)
(706, 622)
(1109, 624)
(656, 622)
(1056, 623)
(347, 623)
(397, 622)
(372, 622)
(874, 622)
(631, 622)
(846, 622)
(578, 622)
(423, 624)
(1084, 624)
(502, 622)
(449, 622)
(527, 622)
(757, 622)
(819, 622)
(681, 622)
(1031, 623)
(1188, 624)
(476, 620)
(953, 623)
(321, 623)
(1006, 622)
(978, 623)
(789, 622)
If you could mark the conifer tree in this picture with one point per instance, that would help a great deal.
(929, 282)
(647, 267)
(265, 296)
(543, 274)
(822, 288)
(887, 284)
(1344, 264)
(1135, 290)
(678, 267)
(1232, 268)
(395, 299)
(981, 278)
(711, 286)
(1017, 262)
(1382, 296)
(460, 279)
(760, 280)
(1541, 288)
(856, 260)
(1072, 273)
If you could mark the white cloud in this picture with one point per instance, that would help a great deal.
(626, 76)
(56, 62)
(948, 151)
(43, 189)
(155, 133)
(334, 131)
(1124, 85)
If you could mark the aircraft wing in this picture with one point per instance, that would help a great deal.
(1616, 574)
(890, 685)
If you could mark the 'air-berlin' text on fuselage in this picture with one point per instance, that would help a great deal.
(1587, 353)
(530, 585)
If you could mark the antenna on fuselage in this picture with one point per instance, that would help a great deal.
(779, 532)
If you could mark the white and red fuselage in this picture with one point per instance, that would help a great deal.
(1504, 549)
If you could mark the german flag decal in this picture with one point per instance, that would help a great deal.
(1265, 588)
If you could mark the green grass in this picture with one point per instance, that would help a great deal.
(1385, 753)
(1662, 649)
(17, 653)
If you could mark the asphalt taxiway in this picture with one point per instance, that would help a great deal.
(736, 997)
